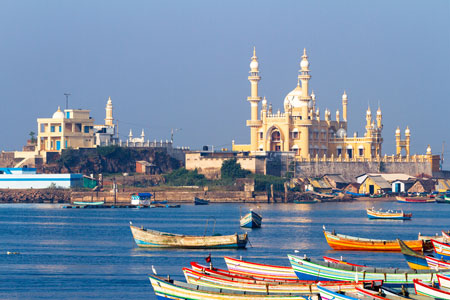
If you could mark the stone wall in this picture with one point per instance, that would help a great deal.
(349, 170)
(35, 196)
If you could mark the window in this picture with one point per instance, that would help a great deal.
(276, 136)
(68, 115)
(350, 153)
(277, 148)
(361, 151)
(60, 128)
(86, 129)
(42, 129)
(295, 135)
(339, 152)
(77, 127)
(52, 128)
(261, 136)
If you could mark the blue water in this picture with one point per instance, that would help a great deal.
(90, 253)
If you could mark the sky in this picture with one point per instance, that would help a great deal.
(184, 65)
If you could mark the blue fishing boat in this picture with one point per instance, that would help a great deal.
(140, 198)
(84, 203)
(415, 260)
(387, 214)
(251, 220)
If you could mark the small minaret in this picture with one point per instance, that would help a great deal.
(313, 98)
(398, 139)
(429, 150)
(130, 135)
(344, 106)
(379, 118)
(304, 74)
(254, 99)
(368, 122)
(407, 140)
(142, 135)
(109, 113)
(337, 116)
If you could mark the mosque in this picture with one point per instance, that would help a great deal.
(300, 129)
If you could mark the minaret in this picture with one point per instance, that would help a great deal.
(304, 78)
(379, 118)
(398, 141)
(142, 135)
(407, 140)
(344, 106)
(337, 116)
(254, 99)
(313, 98)
(130, 135)
(109, 113)
(368, 122)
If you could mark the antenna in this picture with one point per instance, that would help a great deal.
(442, 155)
(67, 99)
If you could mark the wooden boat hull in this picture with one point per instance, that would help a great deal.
(415, 200)
(181, 291)
(442, 250)
(155, 239)
(339, 261)
(327, 294)
(345, 242)
(194, 277)
(374, 214)
(259, 270)
(251, 220)
(429, 291)
(309, 269)
(437, 264)
(88, 203)
(415, 260)
(444, 281)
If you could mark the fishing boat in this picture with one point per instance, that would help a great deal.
(303, 287)
(446, 235)
(346, 242)
(328, 294)
(84, 203)
(437, 264)
(416, 260)
(259, 270)
(387, 214)
(311, 269)
(442, 250)
(415, 199)
(171, 289)
(251, 220)
(199, 201)
(156, 239)
(141, 198)
(430, 291)
(444, 281)
(442, 199)
(239, 277)
(339, 261)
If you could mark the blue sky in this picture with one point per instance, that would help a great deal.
(184, 64)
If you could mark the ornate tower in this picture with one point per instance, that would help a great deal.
(254, 99)
(407, 140)
(344, 106)
(304, 77)
(379, 118)
(368, 122)
(398, 139)
(109, 113)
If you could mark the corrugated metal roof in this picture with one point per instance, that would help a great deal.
(380, 181)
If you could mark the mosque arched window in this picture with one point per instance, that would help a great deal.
(276, 136)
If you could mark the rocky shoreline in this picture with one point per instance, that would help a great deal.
(35, 196)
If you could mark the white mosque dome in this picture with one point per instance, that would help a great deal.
(254, 64)
(293, 98)
(58, 114)
(341, 133)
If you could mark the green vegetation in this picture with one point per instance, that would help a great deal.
(263, 182)
(32, 135)
(183, 177)
(231, 169)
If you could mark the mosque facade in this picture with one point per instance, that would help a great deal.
(301, 129)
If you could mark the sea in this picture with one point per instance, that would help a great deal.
(90, 253)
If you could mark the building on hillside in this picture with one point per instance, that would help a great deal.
(375, 185)
(423, 186)
(402, 186)
(145, 167)
(73, 128)
(319, 185)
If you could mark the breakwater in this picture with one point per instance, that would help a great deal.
(35, 196)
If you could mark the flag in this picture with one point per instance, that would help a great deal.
(208, 259)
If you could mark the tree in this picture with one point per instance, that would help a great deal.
(32, 137)
(231, 169)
